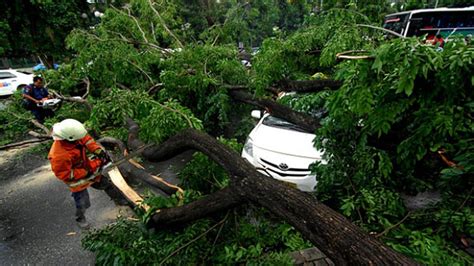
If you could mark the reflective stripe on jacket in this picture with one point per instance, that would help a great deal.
(70, 163)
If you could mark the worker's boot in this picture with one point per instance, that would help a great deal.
(81, 219)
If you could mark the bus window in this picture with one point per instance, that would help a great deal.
(439, 22)
(396, 23)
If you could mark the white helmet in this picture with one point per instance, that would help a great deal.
(69, 129)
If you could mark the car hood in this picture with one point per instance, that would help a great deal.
(289, 142)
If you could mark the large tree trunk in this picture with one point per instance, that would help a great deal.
(219, 201)
(301, 119)
(336, 236)
(308, 85)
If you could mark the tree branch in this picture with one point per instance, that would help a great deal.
(88, 87)
(141, 70)
(134, 19)
(308, 85)
(76, 100)
(33, 121)
(153, 89)
(38, 135)
(393, 226)
(41, 126)
(163, 23)
(382, 29)
(195, 239)
(21, 143)
(301, 119)
(203, 207)
(345, 55)
(124, 39)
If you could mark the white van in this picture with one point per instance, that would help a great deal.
(283, 151)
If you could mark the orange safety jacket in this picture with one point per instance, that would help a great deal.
(70, 163)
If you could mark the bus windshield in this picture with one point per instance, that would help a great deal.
(396, 23)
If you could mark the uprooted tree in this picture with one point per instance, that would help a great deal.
(342, 241)
(392, 126)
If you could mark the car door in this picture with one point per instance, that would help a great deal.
(7, 83)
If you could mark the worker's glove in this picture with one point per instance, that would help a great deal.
(94, 165)
(102, 155)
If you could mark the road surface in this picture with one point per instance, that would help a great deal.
(37, 223)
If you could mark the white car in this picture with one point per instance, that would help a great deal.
(283, 151)
(12, 80)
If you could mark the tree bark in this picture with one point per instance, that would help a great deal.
(301, 119)
(341, 240)
(308, 85)
(219, 201)
(78, 100)
(38, 135)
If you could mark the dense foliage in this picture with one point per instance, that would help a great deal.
(385, 128)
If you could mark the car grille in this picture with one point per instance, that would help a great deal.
(273, 167)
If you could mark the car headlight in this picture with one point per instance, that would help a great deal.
(248, 147)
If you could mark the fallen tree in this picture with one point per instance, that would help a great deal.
(341, 240)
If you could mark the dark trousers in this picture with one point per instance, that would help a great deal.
(82, 201)
(39, 113)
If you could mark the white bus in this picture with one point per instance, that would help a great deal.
(444, 21)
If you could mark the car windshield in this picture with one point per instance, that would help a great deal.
(272, 121)
(6, 75)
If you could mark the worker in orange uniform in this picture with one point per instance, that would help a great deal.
(76, 159)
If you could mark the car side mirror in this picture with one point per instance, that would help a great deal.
(257, 114)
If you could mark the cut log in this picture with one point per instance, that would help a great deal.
(336, 236)
(130, 194)
(132, 171)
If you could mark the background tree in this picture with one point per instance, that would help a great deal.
(40, 27)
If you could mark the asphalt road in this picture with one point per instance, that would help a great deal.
(37, 223)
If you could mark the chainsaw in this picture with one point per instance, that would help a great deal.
(109, 164)
(52, 104)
